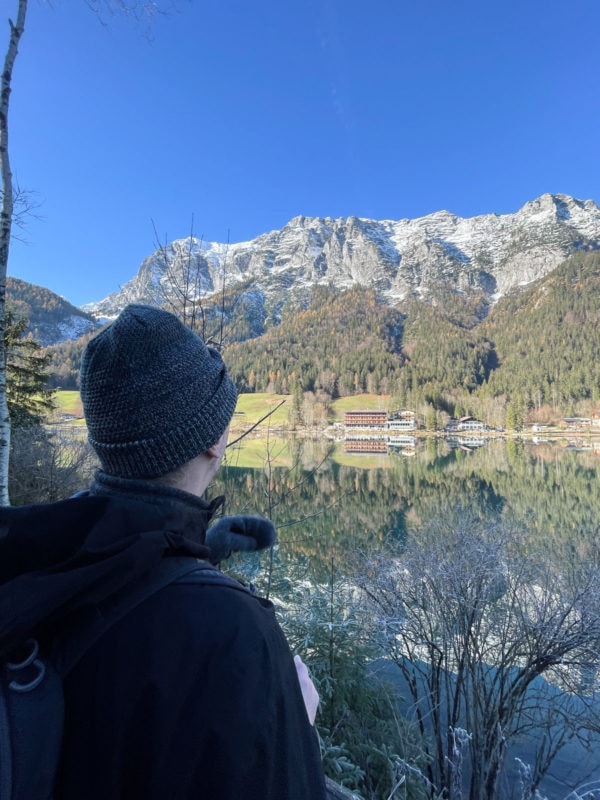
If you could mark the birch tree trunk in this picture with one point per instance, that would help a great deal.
(6, 217)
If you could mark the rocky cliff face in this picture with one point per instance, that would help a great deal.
(484, 256)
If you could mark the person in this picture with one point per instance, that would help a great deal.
(194, 693)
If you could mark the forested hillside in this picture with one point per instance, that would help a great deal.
(65, 360)
(445, 350)
(534, 351)
(50, 317)
(547, 337)
(343, 344)
(537, 347)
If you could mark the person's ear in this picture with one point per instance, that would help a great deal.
(214, 451)
(217, 450)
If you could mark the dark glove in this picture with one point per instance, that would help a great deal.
(240, 532)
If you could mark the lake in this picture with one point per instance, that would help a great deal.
(336, 509)
(326, 501)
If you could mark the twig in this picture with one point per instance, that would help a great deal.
(256, 424)
(314, 514)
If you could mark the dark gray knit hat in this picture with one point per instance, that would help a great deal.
(154, 395)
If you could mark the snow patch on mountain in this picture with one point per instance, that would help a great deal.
(486, 256)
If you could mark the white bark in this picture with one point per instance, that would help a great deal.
(6, 218)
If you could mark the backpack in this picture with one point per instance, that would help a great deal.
(31, 694)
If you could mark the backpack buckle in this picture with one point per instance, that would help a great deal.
(32, 669)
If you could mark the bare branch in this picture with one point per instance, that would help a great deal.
(256, 424)
(25, 205)
(139, 10)
(474, 624)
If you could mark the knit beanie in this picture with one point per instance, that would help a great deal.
(154, 395)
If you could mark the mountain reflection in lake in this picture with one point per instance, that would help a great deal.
(381, 554)
(328, 503)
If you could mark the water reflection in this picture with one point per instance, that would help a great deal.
(453, 509)
(331, 502)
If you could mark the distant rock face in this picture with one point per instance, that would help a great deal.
(484, 256)
(72, 326)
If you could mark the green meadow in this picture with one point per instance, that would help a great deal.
(268, 443)
(68, 403)
(252, 407)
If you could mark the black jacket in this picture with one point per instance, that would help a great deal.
(192, 695)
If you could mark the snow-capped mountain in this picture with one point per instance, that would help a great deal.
(484, 256)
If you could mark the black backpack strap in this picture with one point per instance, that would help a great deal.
(31, 724)
(85, 632)
(31, 695)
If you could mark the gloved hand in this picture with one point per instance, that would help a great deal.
(239, 532)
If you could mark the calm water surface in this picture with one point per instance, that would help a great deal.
(328, 503)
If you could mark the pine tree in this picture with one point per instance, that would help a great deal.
(29, 399)
(431, 418)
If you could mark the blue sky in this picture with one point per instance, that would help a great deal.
(232, 117)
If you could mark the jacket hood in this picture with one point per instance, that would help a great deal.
(58, 560)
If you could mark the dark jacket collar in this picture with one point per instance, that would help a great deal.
(155, 494)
